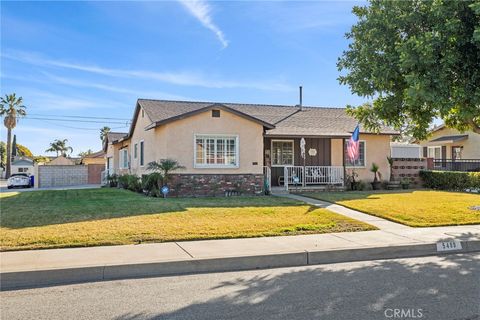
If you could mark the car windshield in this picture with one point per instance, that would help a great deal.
(19, 175)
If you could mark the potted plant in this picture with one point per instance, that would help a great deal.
(377, 176)
(405, 183)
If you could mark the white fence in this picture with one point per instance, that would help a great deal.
(313, 175)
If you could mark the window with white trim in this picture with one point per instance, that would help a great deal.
(435, 152)
(282, 152)
(360, 162)
(142, 153)
(123, 164)
(216, 151)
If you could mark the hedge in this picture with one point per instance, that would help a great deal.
(450, 180)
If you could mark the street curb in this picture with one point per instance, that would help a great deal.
(42, 278)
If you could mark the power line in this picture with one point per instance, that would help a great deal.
(72, 120)
(77, 128)
(81, 117)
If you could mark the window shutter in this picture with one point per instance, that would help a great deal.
(425, 152)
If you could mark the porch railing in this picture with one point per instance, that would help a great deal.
(472, 165)
(313, 175)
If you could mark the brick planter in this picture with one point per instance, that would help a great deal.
(406, 168)
(203, 185)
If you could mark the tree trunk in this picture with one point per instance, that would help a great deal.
(9, 153)
(475, 127)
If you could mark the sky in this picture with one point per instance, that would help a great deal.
(82, 65)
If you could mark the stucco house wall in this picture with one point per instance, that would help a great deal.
(471, 146)
(377, 148)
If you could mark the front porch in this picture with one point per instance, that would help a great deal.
(321, 168)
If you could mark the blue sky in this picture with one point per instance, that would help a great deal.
(95, 59)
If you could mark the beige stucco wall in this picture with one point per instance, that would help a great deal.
(179, 140)
(471, 146)
(377, 148)
(176, 140)
(336, 146)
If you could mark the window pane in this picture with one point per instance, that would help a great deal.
(231, 152)
(220, 156)
(360, 162)
(282, 153)
(200, 150)
(210, 152)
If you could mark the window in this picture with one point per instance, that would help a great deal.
(282, 152)
(216, 151)
(216, 113)
(142, 153)
(457, 153)
(135, 151)
(360, 162)
(435, 153)
(22, 169)
(123, 159)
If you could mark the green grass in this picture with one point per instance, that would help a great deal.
(421, 208)
(88, 217)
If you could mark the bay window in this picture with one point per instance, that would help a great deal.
(216, 151)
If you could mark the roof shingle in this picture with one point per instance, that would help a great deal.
(288, 120)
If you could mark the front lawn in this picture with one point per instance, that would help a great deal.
(89, 217)
(422, 208)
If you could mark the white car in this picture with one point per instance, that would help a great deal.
(18, 180)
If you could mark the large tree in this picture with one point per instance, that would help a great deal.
(11, 108)
(417, 61)
(60, 147)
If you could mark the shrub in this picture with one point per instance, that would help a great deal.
(130, 182)
(112, 180)
(150, 184)
(450, 180)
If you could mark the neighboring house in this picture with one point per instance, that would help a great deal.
(22, 165)
(224, 145)
(448, 146)
(61, 161)
(94, 158)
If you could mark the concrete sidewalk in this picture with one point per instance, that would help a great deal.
(60, 266)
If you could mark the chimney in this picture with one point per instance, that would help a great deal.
(301, 97)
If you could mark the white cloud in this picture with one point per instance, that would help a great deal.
(201, 10)
(176, 78)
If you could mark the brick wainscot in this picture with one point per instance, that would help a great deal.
(202, 185)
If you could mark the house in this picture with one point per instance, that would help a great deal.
(94, 158)
(22, 165)
(231, 145)
(452, 149)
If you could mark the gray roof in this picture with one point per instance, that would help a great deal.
(452, 138)
(286, 120)
(114, 136)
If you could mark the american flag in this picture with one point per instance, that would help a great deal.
(353, 146)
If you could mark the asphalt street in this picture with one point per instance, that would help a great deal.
(445, 287)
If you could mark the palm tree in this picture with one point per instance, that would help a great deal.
(60, 147)
(11, 108)
(164, 167)
(103, 133)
